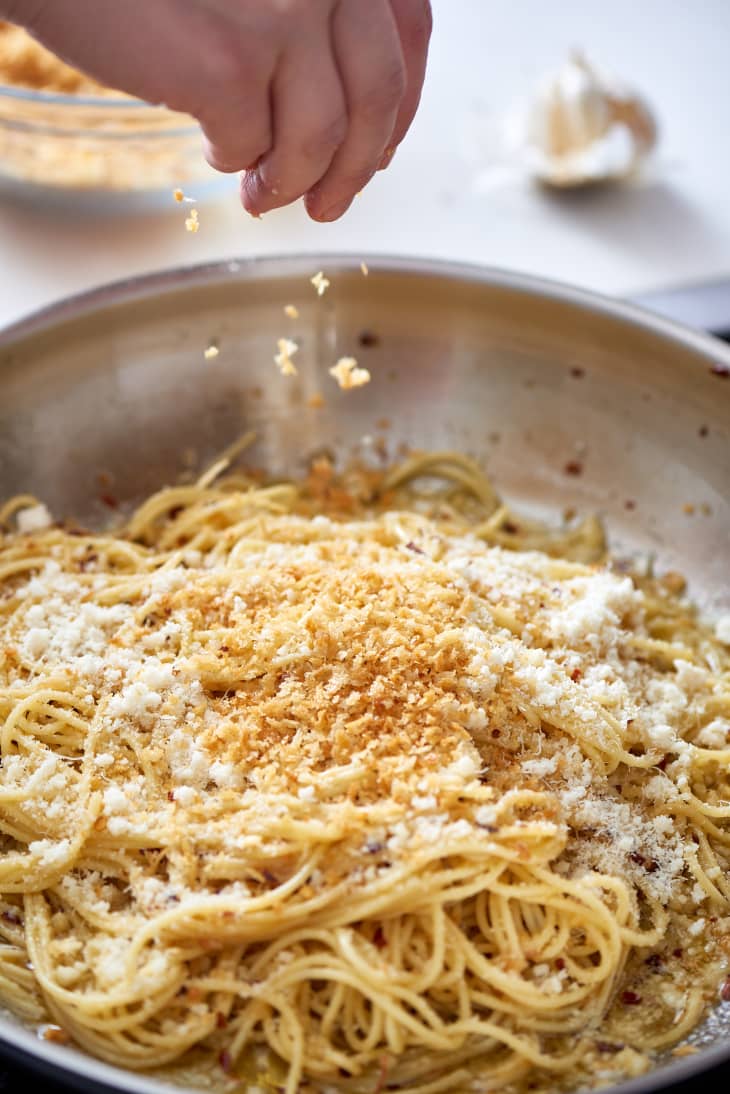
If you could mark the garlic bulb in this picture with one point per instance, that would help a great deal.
(583, 129)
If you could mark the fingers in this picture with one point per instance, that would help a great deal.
(239, 134)
(414, 22)
(373, 73)
(309, 121)
(234, 107)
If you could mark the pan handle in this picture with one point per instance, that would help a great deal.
(704, 305)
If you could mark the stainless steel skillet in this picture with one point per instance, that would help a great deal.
(570, 400)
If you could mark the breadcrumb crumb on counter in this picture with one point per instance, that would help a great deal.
(286, 350)
(348, 374)
(321, 283)
(291, 312)
(364, 269)
(192, 223)
(211, 352)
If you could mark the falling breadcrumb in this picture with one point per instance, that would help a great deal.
(283, 358)
(364, 268)
(315, 401)
(348, 375)
(291, 312)
(211, 352)
(192, 223)
(178, 195)
(321, 283)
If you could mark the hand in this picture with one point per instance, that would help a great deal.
(307, 97)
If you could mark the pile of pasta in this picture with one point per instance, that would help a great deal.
(360, 784)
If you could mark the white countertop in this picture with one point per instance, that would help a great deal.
(486, 54)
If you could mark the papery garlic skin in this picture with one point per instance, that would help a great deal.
(583, 128)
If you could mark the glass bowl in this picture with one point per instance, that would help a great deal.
(101, 153)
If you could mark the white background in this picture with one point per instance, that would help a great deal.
(486, 55)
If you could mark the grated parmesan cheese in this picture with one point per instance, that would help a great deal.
(35, 518)
(722, 630)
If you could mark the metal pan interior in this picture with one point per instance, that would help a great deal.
(568, 399)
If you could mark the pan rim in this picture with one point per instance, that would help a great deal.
(168, 280)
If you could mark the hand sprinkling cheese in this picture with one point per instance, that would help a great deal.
(283, 358)
(321, 283)
(348, 374)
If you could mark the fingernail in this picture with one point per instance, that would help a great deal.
(386, 159)
(335, 211)
(251, 192)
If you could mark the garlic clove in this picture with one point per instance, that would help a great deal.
(583, 129)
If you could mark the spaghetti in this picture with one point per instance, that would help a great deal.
(363, 783)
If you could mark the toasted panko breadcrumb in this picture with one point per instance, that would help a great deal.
(321, 283)
(291, 312)
(283, 358)
(364, 269)
(316, 401)
(348, 374)
(192, 223)
(178, 195)
(211, 352)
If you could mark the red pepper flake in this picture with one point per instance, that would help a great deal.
(560, 964)
(654, 961)
(109, 500)
(226, 1061)
(573, 467)
(220, 1019)
(496, 733)
(723, 371)
(379, 938)
(577, 373)
(171, 795)
(55, 1034)
(224, 649)
(608, 1047)
(725, 990)
(382, 1074)
(575, 675)
(368, 339)
(703, 431)
(629, 504)
(510, 527)
(630, 998)
(411, 546)
(678, 952)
